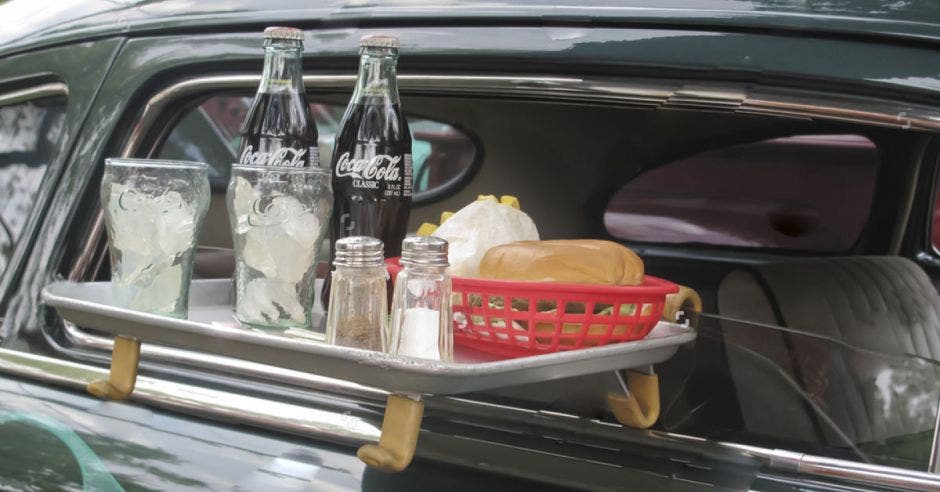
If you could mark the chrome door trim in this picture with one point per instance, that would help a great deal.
(663, 94)
(34, 92)
(741, 98)
(218, 405)
(345, 428)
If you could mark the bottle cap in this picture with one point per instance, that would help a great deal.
(379, 41)
(424, 251)
(359, 251)
(277, 32)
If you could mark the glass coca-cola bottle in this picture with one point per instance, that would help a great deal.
(372, 154)
(279, 130)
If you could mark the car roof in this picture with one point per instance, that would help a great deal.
(33, 23)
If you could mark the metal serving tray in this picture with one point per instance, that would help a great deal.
(211, 328)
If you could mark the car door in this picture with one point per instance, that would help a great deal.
(156, 79)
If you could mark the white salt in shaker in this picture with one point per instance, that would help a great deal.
(421, 323)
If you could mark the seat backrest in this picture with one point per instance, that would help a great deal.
(880, 304)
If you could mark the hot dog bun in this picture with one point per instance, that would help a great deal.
(582, 261)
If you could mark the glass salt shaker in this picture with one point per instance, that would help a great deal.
(358, 309)
(421, 323)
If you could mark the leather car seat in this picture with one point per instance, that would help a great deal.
(858, 384)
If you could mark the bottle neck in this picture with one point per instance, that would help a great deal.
(282, 69)
(377, 83)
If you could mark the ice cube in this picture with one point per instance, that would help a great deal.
(244, 197)
(151, 226)
(304, 227)
(257, 253)
(280, 242)
(266, 300)
(162, 293)
(132, 233)
(137, 269)
(175, 223)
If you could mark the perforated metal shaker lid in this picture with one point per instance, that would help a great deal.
(359, 251)
(424, 251)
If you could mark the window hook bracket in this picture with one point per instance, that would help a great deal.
(125, 358)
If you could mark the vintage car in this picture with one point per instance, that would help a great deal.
(778, 157)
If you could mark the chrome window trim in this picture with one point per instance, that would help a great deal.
(664, 94)
(34, 92)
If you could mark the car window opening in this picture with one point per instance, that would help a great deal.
(808, 191)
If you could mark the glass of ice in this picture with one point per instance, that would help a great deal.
(279, 218)
(153, 210)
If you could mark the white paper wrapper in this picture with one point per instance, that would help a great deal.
(478, 227)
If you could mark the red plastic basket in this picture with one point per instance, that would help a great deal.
(518, 319)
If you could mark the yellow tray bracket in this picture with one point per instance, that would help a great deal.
(399, 437)
(124, 360)
(639, 406)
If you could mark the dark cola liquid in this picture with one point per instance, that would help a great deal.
(372, 175)
(279, 131)
(372, 180)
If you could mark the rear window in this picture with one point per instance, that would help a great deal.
(806, 192)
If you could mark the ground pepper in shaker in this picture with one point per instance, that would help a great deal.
(421, 323)
(358, 308)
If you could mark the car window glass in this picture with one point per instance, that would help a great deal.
(775, 387)
(29, 132)
(808, 192)
(442, 154)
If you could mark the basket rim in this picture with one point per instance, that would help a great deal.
(651, 285)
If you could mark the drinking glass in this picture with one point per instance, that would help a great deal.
(153, 210)
(279, 217)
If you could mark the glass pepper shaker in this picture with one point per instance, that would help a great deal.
(358, 308)
(421, 323)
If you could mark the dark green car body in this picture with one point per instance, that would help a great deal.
(116, 57)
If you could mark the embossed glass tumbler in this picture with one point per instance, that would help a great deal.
(279, 218)
(153, 210)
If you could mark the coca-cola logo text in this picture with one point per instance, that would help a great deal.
(379, 167)
(285, 156)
